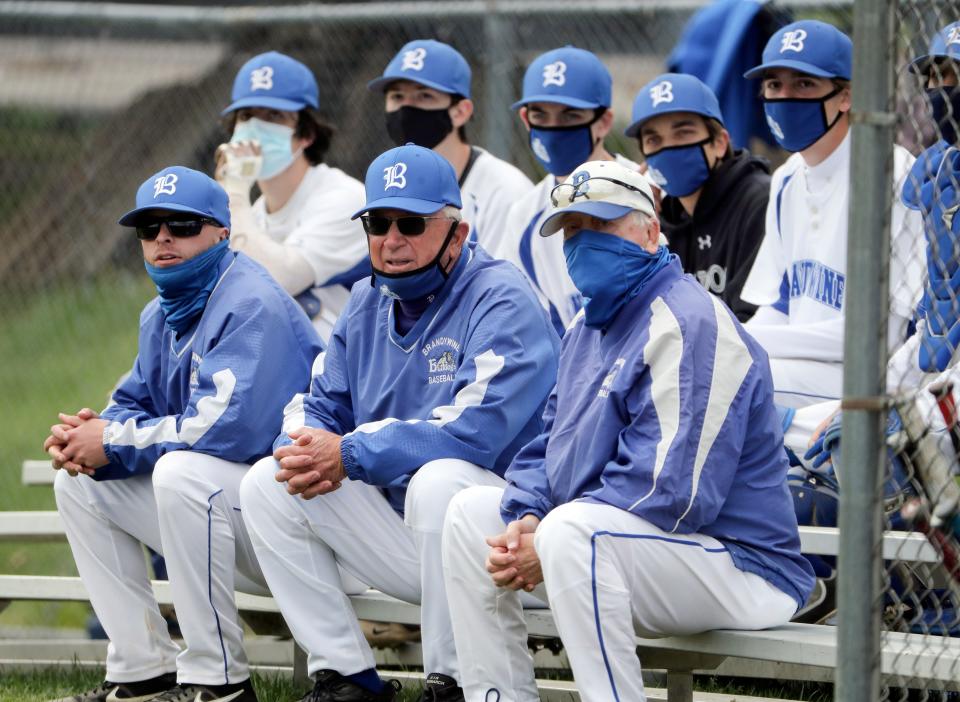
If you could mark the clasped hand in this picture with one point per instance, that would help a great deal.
(76, 443)
(311, 465)
(513, 562)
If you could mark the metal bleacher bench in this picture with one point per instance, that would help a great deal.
(782, 650)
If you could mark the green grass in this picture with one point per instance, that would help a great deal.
(60, 349)
(42, 685)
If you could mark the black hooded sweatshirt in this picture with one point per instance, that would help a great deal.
(720, 241)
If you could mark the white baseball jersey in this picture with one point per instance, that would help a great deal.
(315, 221)
(489, 186)
(541, 258)
(799, 276)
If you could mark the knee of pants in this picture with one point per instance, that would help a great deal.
(65, 486)
(563, 540)
(470, 511)
(257, 482)
(172, 470)
(432, 487)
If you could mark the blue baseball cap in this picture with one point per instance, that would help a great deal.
(810, 46)
(673, 92)
(410, 178)
(568, 76)
(180, 189)
(430, 63)
(274, 80)
(945, 44)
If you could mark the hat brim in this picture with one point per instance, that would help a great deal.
(559, 99)
(921, 64)
(379, 85)
(801, 66)
(634, 129)
(131, 218)
(406, 204)
(274, 103)
(601, 210)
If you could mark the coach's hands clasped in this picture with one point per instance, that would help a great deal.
(76, 443)
(311, 465)
(513, 562)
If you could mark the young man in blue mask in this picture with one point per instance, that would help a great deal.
(299, 229)
(566, 109)
(221, 349)
(714, 210)
(798, 278)
(426, 90)
(654, 502)
(436, 374)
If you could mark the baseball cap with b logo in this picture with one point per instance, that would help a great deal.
(809, 46)
(430, 63)
(410, 178)
(276, 81)
(180, 189)
(568, 76)
(673, 92)
(944, 45)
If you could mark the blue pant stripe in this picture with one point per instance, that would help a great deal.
(223, 649)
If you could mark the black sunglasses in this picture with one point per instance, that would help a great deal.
(180, 228)
(408, 225)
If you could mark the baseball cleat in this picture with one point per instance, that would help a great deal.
(140, 691)
(441, 688)
(330, 686)
(189, 692)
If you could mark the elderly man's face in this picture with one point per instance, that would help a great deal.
(395, 253)
(646, 235)
(168, 250)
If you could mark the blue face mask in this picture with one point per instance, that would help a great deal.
(945, 106)
(561, 149)
(275, 144)
(798, 123)
(185, 287)
(418, 283)
(609, 271)
(680, 170)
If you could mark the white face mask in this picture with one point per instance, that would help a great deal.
(274, 141)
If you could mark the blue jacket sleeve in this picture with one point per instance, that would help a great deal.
(509, 365)
(234, 404)
(688, 413)
(327, 405)
(528, 491)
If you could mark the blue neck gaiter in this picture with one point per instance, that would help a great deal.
(417, 283)
(185, 287)
(680, 170)
(609, 271)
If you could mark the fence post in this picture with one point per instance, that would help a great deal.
(498, 88)
(865, 352)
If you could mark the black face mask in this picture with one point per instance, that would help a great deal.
(425, 128)
(945, 105)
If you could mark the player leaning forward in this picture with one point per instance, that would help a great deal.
(655, 500)
(436, 374)
(221, 349)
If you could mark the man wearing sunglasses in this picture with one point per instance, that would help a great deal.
(426, 91)
(714, 210)
(798, 278)
(565, 107)
(436, 374)
(299, 228)
(654, 502)
(221, 350)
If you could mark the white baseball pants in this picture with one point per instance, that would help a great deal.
(799, 382)
(609, 576)
(300, 542)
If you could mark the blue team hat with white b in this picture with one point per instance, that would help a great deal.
(809, 46)
(410, 178)
(945, 44)
(276, 81)
(568, 76)
(180, 189)
(430, 63)
(673, 92)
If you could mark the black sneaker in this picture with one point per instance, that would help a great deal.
(330, 686)
(140, 691)
(189, 692)
(441, 688)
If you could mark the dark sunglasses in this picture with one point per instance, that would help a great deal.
(180, 228)
(408, 225)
